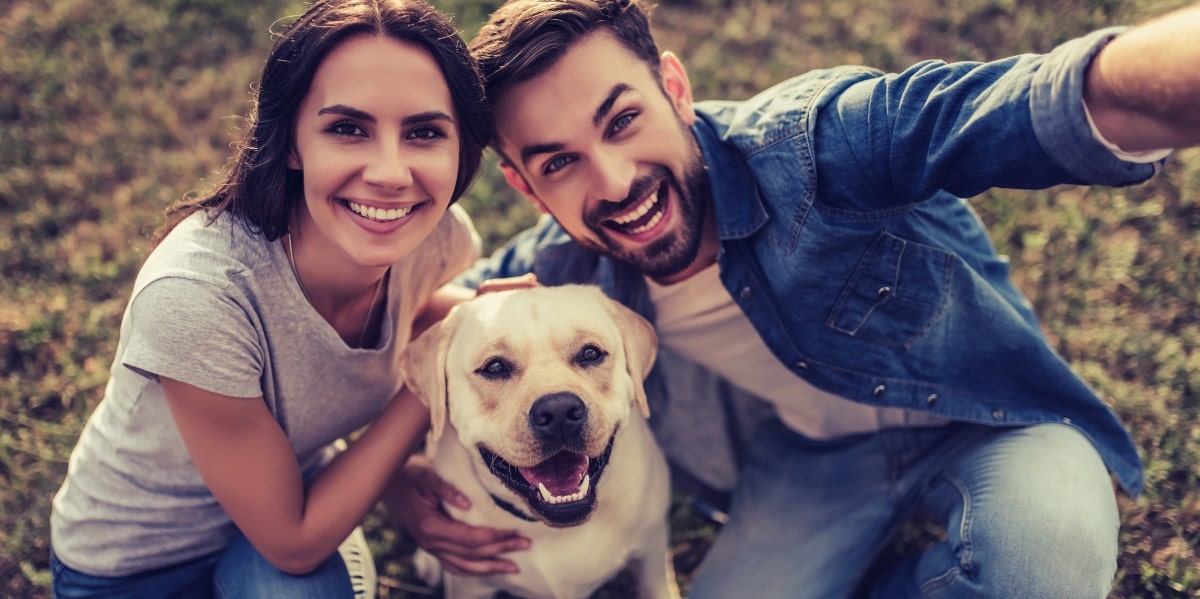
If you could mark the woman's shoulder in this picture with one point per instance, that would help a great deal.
(219, 251)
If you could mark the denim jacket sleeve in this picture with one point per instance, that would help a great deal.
(965, 128)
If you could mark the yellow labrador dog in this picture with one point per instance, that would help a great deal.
(538, 416)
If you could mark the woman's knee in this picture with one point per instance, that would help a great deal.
(242, 572)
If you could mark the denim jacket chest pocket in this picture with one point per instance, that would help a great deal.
(896, 293)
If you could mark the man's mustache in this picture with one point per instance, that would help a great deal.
(637, 190)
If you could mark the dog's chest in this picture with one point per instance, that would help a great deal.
(570, 565)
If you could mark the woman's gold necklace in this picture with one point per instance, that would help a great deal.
(362, 333)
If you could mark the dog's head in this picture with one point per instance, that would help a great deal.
(536, 382)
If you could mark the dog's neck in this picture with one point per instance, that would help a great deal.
(512, 509)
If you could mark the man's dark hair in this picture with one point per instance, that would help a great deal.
(524, 38)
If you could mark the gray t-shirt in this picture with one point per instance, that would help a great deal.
(219, 308)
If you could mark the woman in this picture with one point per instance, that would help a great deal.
(266, 323)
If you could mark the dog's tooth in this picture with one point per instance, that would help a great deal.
(583, 488)
(546, 496)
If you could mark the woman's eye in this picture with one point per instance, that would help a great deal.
(427, 133)
(590, 356)
(347, 129)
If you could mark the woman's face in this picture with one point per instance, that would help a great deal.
(377, 142)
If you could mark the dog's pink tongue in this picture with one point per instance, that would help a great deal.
(561, 474)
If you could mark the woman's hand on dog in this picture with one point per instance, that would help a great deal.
(415, 498)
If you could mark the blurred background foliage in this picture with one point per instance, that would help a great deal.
(111, 110)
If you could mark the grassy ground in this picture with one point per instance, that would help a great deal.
(110, 110)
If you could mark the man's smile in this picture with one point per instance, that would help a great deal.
(642, 216)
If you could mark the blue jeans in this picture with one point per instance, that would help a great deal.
(1029, 512)
(237, 572)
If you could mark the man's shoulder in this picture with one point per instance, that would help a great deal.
(781, 110)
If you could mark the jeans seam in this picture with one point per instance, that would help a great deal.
(964, 530)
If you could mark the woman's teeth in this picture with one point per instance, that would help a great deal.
(378, 214)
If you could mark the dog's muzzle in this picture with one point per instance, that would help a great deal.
(560, 490)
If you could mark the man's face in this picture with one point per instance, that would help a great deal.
(599, 143)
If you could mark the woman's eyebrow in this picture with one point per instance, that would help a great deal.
(424, 117)
(347, 111)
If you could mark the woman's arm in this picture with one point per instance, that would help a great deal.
(248, 463)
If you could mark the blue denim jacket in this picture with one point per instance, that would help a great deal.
(844, 240)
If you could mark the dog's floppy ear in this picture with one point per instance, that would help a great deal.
(641, 347)
(423, 364)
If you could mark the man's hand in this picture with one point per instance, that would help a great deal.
(1143, 88)
(508, 283)
(415, 498)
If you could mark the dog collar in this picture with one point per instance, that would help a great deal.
(512, 509)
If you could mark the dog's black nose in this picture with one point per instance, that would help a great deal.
(558, 417)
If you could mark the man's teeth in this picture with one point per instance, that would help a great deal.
(638, 212)
(378, 214)
(550, 498)
(646, 227)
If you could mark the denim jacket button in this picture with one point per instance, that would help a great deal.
(801, 365)
(884, 292)
(1066, 420)
(932, 399)
(879, 391)
(745, 293)
(998, 414)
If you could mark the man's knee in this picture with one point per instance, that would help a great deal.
(1038, 518)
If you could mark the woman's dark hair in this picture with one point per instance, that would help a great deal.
(258, 187)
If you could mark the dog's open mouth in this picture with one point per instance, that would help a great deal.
(561, 491)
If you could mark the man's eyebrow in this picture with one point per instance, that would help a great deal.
(530, 151)
(606, 106)
(602, 111)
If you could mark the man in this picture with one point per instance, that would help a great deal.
(843, 348)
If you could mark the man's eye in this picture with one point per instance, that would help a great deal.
(556, 164)
(496, 369)
(622, 122)
(590, 355)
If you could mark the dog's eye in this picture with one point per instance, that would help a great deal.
(590, 355)
(496, 369)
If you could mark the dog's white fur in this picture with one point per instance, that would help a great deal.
(540, 337)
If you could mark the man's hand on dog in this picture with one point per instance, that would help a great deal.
(507, 283)
(415, 500)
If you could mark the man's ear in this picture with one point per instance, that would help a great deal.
(679, 89)
(517, 181)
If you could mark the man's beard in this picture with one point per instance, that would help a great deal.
(676, 250)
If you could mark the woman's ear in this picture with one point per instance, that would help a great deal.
(293, 159)
(679, 89)
(517, 181)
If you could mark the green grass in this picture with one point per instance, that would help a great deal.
(111, 110)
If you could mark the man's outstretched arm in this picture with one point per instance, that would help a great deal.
(1143, 88)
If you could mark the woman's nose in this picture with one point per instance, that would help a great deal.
(388, 168)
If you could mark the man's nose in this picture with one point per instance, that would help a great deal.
(389, 167)
(612, 176)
